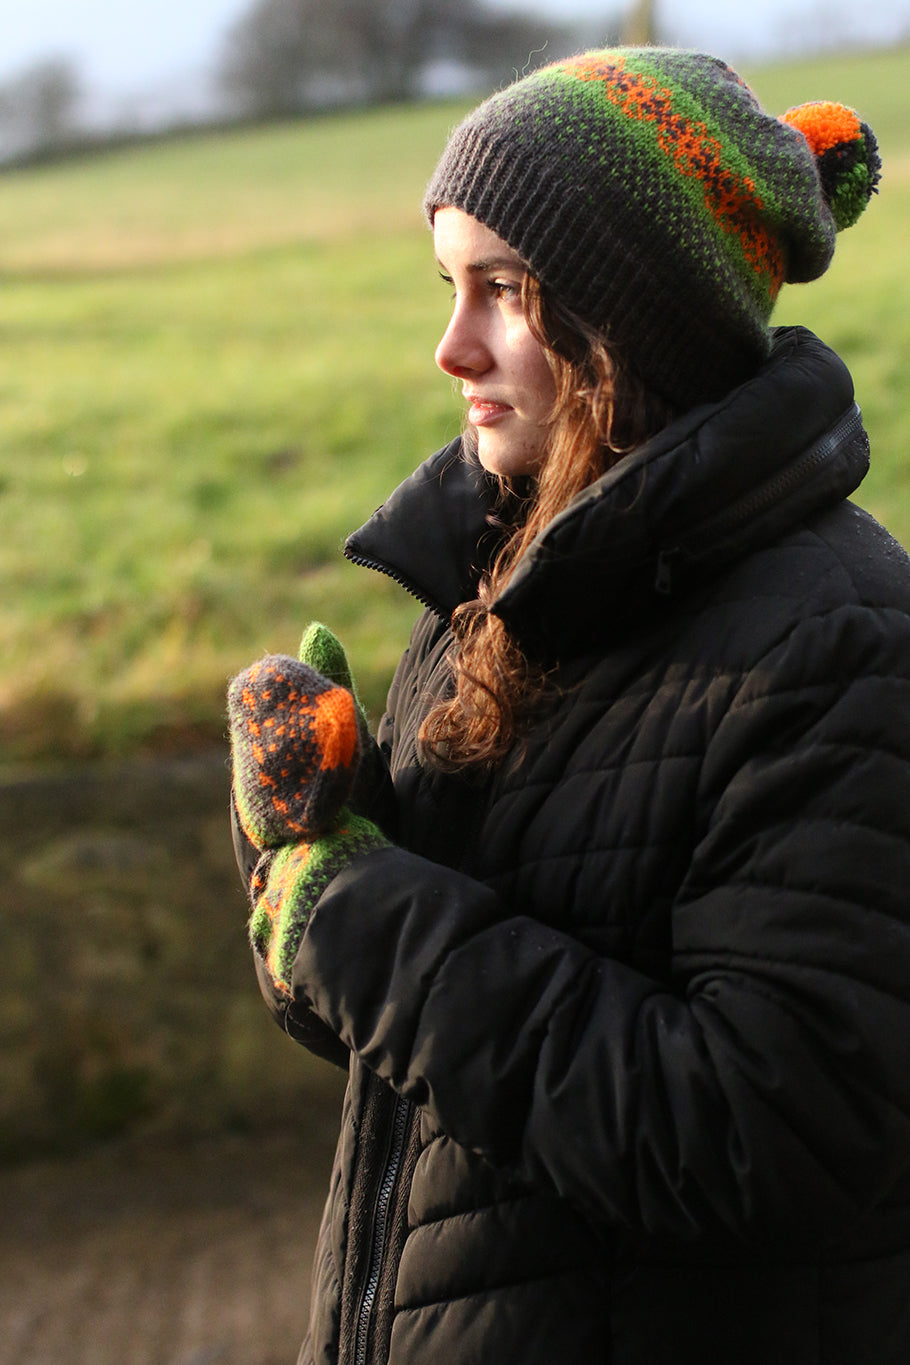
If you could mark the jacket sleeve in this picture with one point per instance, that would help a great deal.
(373, 797)
(763, 1091)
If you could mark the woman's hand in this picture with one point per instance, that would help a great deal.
(295, 744)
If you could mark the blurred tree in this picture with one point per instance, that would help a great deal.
(283, 56)
(503, 46)
(390, 42)
(640, 23)
(38, 107)
(273, 52)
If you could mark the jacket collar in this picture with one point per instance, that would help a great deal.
(718, 483)
(433, 535)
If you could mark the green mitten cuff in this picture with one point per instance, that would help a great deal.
(287, 884)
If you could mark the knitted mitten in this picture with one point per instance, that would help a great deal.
(295, 744)
(323, 651)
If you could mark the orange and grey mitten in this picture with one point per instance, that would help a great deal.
(295, 746)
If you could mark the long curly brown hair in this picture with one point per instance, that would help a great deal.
(600, 413)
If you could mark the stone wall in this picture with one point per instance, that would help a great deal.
(128, 1002)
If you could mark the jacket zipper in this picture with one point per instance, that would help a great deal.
(380, 1231)
(716, 528)
(401, 1115)
(377, 564)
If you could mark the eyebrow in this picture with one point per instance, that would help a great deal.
(494, 263)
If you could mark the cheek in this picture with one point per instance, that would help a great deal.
(538, 377)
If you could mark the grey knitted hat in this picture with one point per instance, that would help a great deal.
(649, 192)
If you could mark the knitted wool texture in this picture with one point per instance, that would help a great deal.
(651, 194)
(295, 747)
(287, 884)
(296, 744)
(324, 652)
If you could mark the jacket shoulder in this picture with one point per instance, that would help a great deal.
(871, 561)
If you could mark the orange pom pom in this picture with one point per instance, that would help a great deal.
(824, 124)
(846, 154)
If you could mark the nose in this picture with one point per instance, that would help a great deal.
(462, 350)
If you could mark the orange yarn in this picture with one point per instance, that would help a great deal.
(335, 724)
(823, 124)
(730, 198)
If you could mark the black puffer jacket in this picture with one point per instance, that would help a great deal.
(630, 1021)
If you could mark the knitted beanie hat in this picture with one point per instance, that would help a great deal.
(650, 193)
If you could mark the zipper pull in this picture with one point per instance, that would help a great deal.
(663, 579)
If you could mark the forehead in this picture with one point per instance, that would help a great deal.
(461, 240)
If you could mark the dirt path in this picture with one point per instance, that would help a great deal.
(164, 1255)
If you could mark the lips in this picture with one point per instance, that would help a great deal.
(484, 410)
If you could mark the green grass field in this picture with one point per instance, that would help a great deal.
(217, 359)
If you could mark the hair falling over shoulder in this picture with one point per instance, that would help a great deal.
(601, 412)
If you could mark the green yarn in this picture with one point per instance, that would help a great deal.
(322, 650)
(846, 155)
(850, 195)
(288, 884)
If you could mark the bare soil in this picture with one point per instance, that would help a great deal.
(165, 1254)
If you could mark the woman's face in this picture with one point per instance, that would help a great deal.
(488, 345)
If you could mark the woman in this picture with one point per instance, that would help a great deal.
(620, 959)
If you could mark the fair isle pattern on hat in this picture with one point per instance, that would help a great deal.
(649, 191)
(695, 153)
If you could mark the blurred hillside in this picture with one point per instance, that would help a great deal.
(217, 359)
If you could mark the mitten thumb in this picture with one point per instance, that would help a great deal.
(322, 650)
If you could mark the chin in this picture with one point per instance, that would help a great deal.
(504, 459)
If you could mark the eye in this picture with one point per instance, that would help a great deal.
(447, 279)
(504, 289)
